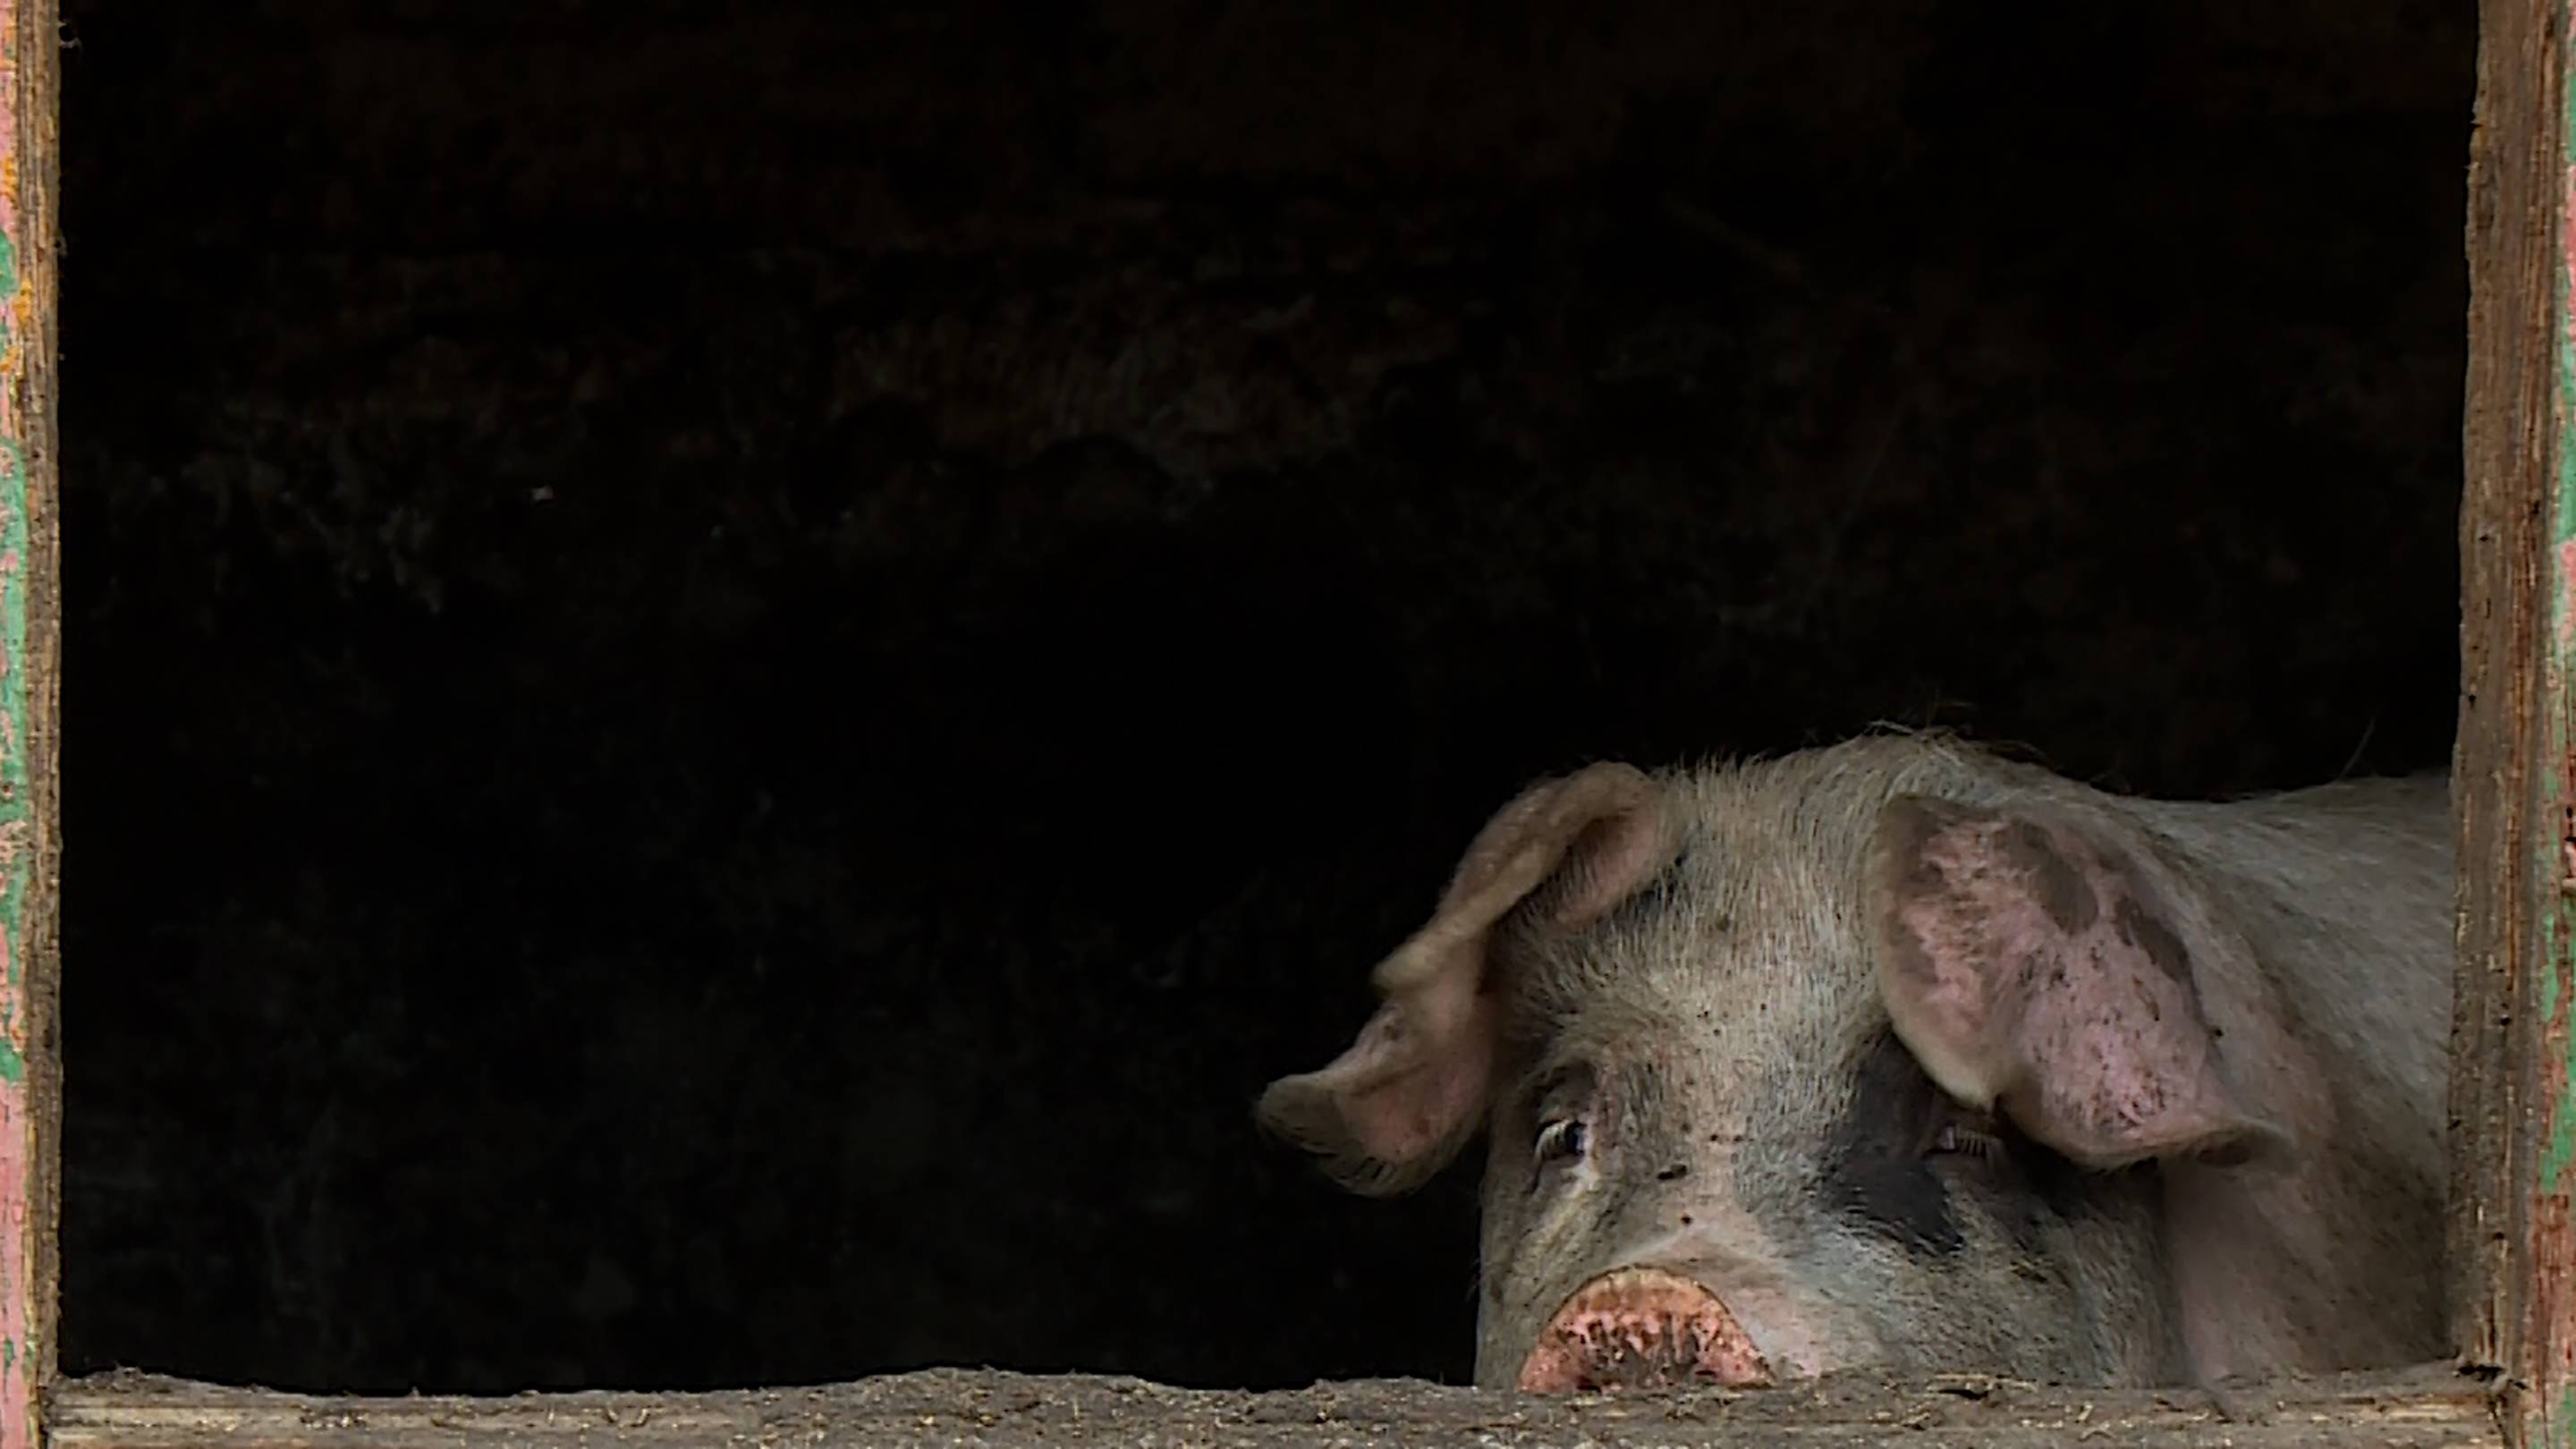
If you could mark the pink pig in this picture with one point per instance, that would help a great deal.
(1897, 1053)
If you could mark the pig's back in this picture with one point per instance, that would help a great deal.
(2345, 892)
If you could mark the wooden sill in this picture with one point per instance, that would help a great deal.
(2434, 1404)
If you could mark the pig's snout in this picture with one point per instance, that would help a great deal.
(1641, 1328)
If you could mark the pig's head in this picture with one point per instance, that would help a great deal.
(1856, 1057)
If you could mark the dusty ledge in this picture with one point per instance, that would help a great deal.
(2432, 1405)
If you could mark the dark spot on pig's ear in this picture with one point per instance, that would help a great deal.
(1911, 961)
(2141, 929)
(1874, 1170)
(1905, 828)
(2058, 886)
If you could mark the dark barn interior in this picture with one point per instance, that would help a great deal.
(736, 671)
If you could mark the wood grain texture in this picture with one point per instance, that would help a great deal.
(2431, 1405)
(2513, 1120)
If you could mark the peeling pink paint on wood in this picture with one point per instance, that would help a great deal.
(2566, 621)
(2566, 254)
(9, 167)
(9, 560)
(17, 1262)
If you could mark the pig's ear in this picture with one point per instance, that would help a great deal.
(2033, 968)
(1398, 1104)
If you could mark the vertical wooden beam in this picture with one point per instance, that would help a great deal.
(30, 633)
(2513, 1079)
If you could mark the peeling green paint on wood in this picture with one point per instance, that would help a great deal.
(17, 794)
(2549, 1405)
(25, 401)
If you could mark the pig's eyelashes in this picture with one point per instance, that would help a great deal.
(1960, 1139)
(1562, 1140)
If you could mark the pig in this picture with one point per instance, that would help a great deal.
(1904, 1054)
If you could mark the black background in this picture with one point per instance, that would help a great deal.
(736, 671)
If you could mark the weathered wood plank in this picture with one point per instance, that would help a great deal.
(2432, 1405)
(2513, 1131)
(2508, 444)
(30, 1075)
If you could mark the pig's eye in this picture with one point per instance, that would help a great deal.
(1964, 1140)
(1561, 1140)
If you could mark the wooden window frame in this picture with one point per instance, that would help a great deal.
(2513, 1060)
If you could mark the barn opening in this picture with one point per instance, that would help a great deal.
(747, 666)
